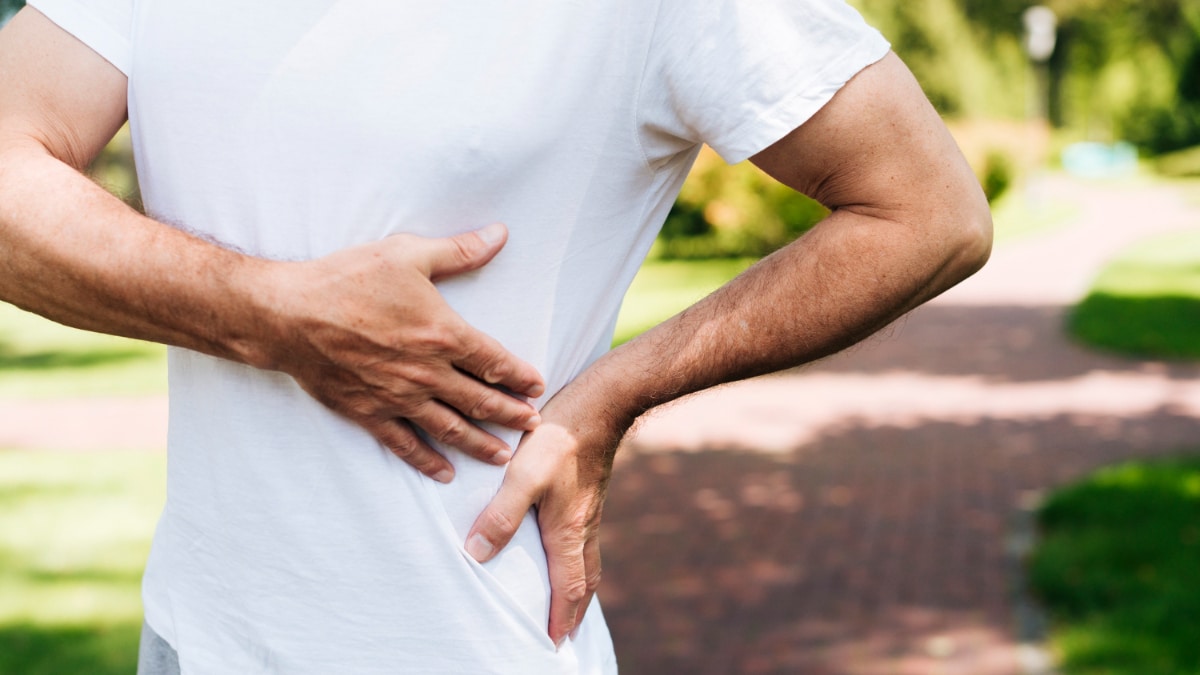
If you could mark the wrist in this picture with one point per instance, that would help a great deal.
(608, 395)
(256, 290)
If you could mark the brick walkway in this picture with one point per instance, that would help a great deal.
(859, 516)
(863, 515)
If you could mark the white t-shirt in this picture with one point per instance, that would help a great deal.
(291, 542)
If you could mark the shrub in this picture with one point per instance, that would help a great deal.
(733, 212)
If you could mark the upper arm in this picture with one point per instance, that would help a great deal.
(879, 148)
(56, 91)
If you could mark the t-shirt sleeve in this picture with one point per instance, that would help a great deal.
(103, 25)
(742, 74)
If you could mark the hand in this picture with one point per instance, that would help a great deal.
(366, 333)
(562, 468)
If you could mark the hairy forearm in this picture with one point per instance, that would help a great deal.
(850, 276)
(74, 253)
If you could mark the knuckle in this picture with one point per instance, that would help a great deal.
(593, 580)
(360, 408)
(403, 446)
(420, 376)
(487, 360)
(454, 432)
(437, 338)
(498, 521)
(466, 247)
(496, 369)
(575, 591)
(487, 407)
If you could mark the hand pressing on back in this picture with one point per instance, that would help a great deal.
(366, 333)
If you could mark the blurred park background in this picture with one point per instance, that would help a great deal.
(1005, 482)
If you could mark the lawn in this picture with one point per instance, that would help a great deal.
(1147, 301)
(74, 534)
(663, 288)
(39, 358)
(1117, 568)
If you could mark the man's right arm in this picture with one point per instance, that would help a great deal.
(363, 330)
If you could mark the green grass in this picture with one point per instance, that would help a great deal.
(39, 358)
(1118, 569)
(663, 288)
(74, 534)
(1147, 301)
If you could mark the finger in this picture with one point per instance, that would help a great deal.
(498, 522)
(488, 360)
(398, 437)
(591, 565)
(449, 256)
(452, 429)
(568, 581)
(478, 401)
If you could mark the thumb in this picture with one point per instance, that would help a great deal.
(495, 527)
(464, 252)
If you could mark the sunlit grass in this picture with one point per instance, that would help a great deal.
(74, 534)
(40, 358)
(1147, 301)
(663, 288)
(1117, 569)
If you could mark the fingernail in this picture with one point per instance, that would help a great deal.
(502, 457)
(491, 234)
(558, 645)
(443, 476)
(535, 420)
(575, 632)
(537, 390)
(479, 548)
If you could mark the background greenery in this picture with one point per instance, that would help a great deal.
(1146, 302)
(1117, 567)
(74, 529)
(74, 533)
(1123, 70)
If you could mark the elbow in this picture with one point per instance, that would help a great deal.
(975, 245)
(969, 236)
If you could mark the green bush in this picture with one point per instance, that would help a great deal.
(996, 175)
(733, 212)
(1116, 569)
(1179, 164)
(1147, 301)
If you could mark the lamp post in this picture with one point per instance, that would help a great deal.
(1041, 36)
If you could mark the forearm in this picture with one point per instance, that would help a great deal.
(850, 276)
(908, 221)
(72, 252)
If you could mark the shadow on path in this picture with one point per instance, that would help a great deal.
(1013, 343)
(874, 549)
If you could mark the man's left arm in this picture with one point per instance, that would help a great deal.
(908, 221)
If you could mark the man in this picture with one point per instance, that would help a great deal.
(312, 169)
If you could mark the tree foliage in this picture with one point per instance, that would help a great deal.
(1123, 69)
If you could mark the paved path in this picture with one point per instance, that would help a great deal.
(863, 515)
(858, 516)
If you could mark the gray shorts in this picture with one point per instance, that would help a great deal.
(155, 656)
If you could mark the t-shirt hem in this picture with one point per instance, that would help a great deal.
(77, 19)
(757, 134)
